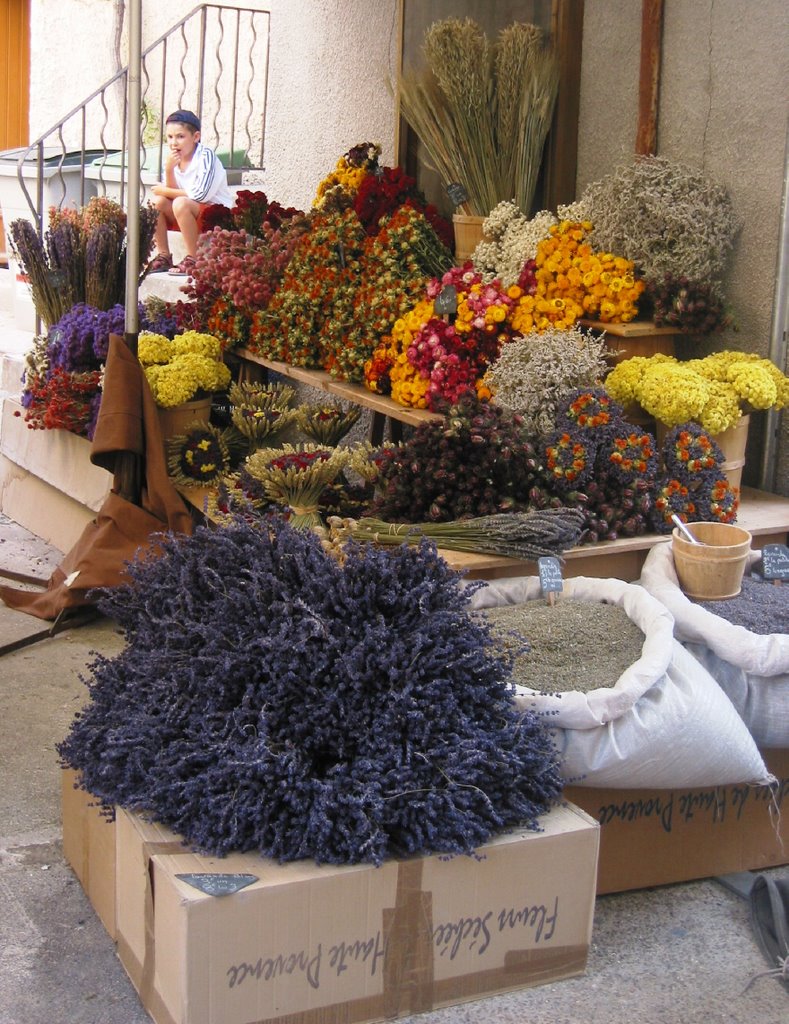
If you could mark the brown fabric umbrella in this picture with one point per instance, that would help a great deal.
(143, 501)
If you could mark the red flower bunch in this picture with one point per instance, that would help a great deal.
(64, 401)
(385, 191)
(298, 460)
(628, 457)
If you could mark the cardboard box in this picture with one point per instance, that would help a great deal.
(323, 944)
(89, 848)
(662, 836)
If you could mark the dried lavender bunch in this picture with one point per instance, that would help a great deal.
(477, 461)
(271, 699)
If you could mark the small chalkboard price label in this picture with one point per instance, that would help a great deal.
(550, 571)
(218, 884)
(446, 302)
(340, 249)
(775, 562)
(456, 193)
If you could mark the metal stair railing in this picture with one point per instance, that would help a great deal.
(221, 55)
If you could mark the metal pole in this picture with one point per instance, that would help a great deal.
(133, 135)
(778, 333)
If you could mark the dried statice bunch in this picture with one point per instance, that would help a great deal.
(271, 699)
(667, 218)
(510, 239)
(535, 373)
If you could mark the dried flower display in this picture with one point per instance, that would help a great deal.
(295, 477)
(346, 713)
(713, 391)
(534, 373)
(82, 257)
(477, 461)
(61, 384)
(674, 223)
(180, 369)
(525, 535)
(198, 458)
(327, 424)
(482, 109)
(240, 263)
(510, 239)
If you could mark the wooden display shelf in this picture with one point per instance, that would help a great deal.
(636, 338)
(764, 515)
(381, 406)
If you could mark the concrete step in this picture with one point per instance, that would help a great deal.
(47, 482)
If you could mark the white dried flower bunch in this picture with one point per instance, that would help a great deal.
(534, 373)
(510, 239)
(667, 218)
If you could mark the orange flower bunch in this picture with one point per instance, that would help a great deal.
(572, 281)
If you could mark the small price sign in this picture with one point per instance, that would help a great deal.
(340, 250)
(446, 302)
(457, 193)
(775, 562)
(550, 571)
(213, 884)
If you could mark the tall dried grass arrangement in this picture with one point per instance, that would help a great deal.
(482, 110)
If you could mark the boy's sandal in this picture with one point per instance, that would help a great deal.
(186, 266)
(162, 263)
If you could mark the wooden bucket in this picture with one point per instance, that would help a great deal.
(713, 569)
(468, 235)
(179, 418)
(733, 443)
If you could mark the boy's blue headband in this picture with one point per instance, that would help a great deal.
(184, 117)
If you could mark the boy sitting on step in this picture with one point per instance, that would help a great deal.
(194, 178)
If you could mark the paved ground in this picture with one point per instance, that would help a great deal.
(682, 954)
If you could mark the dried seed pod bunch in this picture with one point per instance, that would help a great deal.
(345, 712)
(477, 461)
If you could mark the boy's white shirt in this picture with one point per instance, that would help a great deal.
(205, 179)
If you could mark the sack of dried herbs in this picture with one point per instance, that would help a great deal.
(742, 642)
(270, 699)
(661, 722)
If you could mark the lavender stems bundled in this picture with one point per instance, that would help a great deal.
(82, 258)
(271, 699)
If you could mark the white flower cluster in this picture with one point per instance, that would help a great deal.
(510, 239)
(534, 373)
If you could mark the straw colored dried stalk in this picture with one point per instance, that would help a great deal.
(525, 535)
(482, 110)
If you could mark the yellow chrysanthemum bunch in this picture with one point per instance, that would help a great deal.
(177, 370)
(710, 391)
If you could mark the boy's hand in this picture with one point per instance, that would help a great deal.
(171, 162)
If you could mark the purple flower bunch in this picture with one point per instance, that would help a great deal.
(79, 341)
(272, 699)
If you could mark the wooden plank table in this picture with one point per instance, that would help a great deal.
(381, 406)
(765, 516)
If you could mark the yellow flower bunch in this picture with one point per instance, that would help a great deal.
(710, 391)
(177, 370)
(195, 343)
(409, 388)
(349, 173)
(153, 348)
